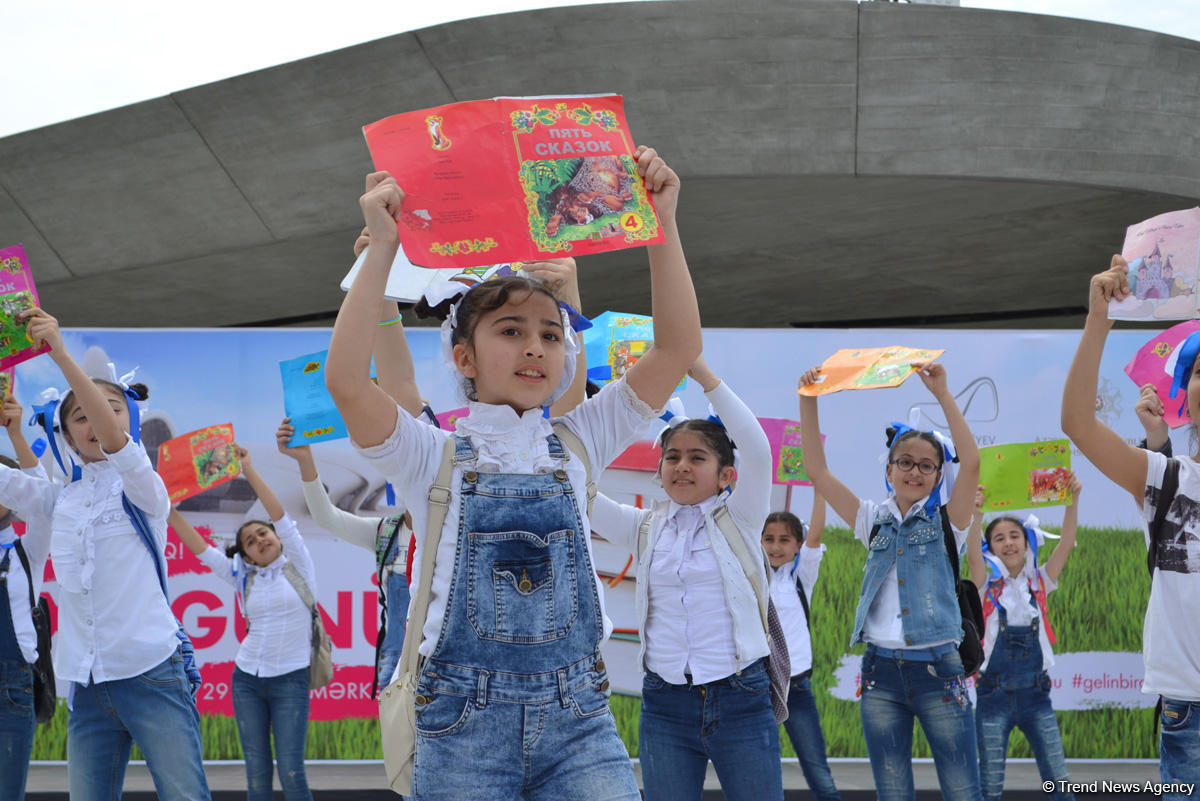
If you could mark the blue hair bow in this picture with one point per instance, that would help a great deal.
(1185, 357)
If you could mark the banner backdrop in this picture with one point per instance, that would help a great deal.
(1009, 384)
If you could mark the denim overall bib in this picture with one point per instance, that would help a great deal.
(513, 702)
(1015, 691)
(17, 720)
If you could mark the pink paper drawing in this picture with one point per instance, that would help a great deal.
(1149, 366)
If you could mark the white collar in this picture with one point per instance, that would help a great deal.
(704, 507)
(893, 506)
(489, 419)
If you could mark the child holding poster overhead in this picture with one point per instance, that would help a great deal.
(118, 643)
(1167, 491)
(795, 558)
(270, 569)
(908, 613)
(515, 620)
(1013, 687)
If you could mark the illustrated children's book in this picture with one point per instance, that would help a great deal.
(198, 461)
(8, 379)
(784, 436)
(867, 368)
(515, 179)
(307, 402)
(1025, 475)
(615, 342)
(1154, 363)
(1164, 268)
(17, 293)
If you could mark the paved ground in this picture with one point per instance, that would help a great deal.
(363, 781)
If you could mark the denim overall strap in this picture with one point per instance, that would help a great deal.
(522, 606)
(10, 650)
(1016, 659)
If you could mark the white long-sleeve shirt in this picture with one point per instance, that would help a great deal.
(32, 507)
(807, 567)
(606, 423)
(113, 619)
(356, 530)
(697, 609)
(279, 635)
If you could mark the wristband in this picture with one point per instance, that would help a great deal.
(396, 319)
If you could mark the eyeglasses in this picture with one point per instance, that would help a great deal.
(906, 464)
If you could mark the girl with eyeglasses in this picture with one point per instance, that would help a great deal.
(908, 613)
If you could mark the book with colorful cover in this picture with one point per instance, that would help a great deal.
(8, 380)
(788, 458)
(1026, 475)
(17, 293)
(1154, 363)
(615, 342)
(198, 461)
(1164, 268)
(515, 179)
(307, 402)
(868, 368)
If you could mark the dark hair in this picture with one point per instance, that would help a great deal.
(591, 388)
(236, 547)
(8, 461)
(714, 435)
(788, 519)
(987, 532)
(478, 301)
(140, 392)
(894, 440)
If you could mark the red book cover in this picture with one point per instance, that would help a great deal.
(515, 179)
(198, 461)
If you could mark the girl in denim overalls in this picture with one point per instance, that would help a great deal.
(1013, 687)
(908, 613)
(513, 697)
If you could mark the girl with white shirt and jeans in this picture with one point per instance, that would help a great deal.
(18, 638)
(706, 692)
(795, 560)
(512, 701)
(908, 612)
(270, 674)
(117, 637)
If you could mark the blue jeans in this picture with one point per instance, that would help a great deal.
(804, 730)
(729, 721)
(397, 614)
(276, 704)
(1179, 748)
(155, 710)
(896, 689)
(997, 710)
(17, 725)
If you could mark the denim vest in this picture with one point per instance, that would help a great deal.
(928, 606)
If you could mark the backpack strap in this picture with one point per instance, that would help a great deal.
(575, 445)
(1166, 494)
(644, 533)
(951, 545)
(20, 549)
(439, 504)
(803, 600)
(300, 586)
(755, 567)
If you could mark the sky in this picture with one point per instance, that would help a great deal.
(71, 58)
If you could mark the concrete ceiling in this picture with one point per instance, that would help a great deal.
(843, 164)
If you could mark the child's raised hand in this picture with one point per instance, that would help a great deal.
(1149, 408)
(702, 374)
(360, 244)
(243, 455)
(283, 435)
(660, 179)
(980, 498)
(933, 376)
(1076, 487)
(810, 376)
(1112, 284)
(380, 205)
(10, 412)
(40, 327)
(559, 275)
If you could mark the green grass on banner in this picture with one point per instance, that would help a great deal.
(1098, 607)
